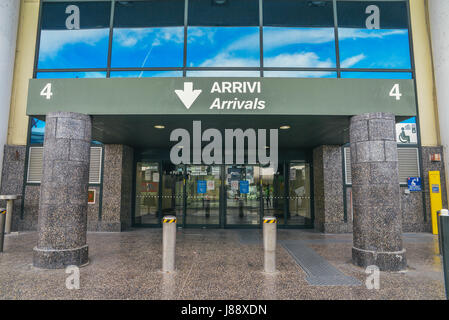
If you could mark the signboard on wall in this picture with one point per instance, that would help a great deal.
(244, 186)
(215, 96)
(414, 184)
(406, 133)
(201, 186)
(91, 198)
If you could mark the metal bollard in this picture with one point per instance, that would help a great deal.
(168, 243)
(2, 227)
(443, 222)
(269, 244)
(9, 210)
(442, 212)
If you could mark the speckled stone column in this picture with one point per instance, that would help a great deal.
(62, 222)
(377, 225)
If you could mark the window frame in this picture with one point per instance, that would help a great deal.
(185, 68)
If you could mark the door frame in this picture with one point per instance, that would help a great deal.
(222, 196)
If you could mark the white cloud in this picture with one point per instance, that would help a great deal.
(52, 41)
(297, 74)
(130, 37)
(275, 38)
(302, 59)
(227, 60)
(349, 33)
(349, 62)
(226, 73)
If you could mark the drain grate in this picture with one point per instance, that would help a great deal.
(319, 271)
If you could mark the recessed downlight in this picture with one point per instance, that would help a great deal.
(286, 127)
(159, 126)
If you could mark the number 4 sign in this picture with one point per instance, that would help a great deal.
(395, 92)
(46, 92)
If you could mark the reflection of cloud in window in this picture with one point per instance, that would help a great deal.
(349, 62)
(284, 60)
(280, 37)
(348, 33)
(299, 74)
(148, 36)
(52, 41)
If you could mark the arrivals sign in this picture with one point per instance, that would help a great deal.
(231, 96)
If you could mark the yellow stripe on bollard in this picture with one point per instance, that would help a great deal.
(169, 220)
(269, 221)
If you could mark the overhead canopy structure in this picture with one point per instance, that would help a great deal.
(126, 110)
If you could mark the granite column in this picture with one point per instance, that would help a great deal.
(377, 225)
(62, 223)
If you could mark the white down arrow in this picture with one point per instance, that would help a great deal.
(188, 95)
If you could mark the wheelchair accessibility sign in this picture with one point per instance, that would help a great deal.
(414, 184)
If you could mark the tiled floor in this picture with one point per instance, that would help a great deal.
(213, 264)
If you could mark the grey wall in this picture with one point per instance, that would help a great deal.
(328, 190)
(12, 179)
(117, 188)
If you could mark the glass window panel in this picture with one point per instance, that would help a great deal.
(299, 47)
(223, 13)
(297, 13)
(223, 33)
(147, 193)
(77, 39)
(299, 74)
(152, 13)
(392, 14)
(148, 34)
(223, 73)
(148, 47)
(377, 39)
(37, 131)
(68, 75)
(299, 34)
(226, 47)
(145, 74)
(376, 75)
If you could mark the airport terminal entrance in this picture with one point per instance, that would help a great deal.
(223, 196)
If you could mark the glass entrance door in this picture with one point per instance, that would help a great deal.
(147, 193)
(223, 195)
(173, 191)
(242, 195)
(203, 188)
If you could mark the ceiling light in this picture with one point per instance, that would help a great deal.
(284, 127)
(159, 126)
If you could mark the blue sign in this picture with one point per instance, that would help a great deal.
(414, 184)
(244, 186)
(201, 186)
(435, 188)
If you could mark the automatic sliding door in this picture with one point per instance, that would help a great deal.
(203, 185)
(147, 193)
(173, 191)
(242, 195)
(273, 188)
(299, 195)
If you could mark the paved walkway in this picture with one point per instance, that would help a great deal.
(220, 264)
